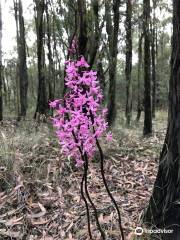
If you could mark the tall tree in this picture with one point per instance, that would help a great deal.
(139, 100)
(16, 85)
(147, 70)
(153, 55)
(51, 71)
(128, 68)
(1, 69)
(42, 106)
(163, 209)
(112, 28)
(22, 66)
(83, 39)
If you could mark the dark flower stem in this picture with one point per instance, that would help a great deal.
(86, 204)
(105, 182)
(85, 183)
(107, 188)
(86, 166)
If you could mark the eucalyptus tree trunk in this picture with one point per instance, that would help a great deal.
(96, 33)
(58, 79)
(112, 28)
(42, 105)
(51, 75)
(128, 68)
(163, 210)
(156, 57)
(147, 71)
(83, 39)
(153, 55)
(1, 69)
(139, 100)
(17, 77)
(23, 75)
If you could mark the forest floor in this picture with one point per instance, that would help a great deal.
(40, 189)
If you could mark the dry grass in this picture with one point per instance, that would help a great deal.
(39, 189)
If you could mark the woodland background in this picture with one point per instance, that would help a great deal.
(111, 31)
(128, 43)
